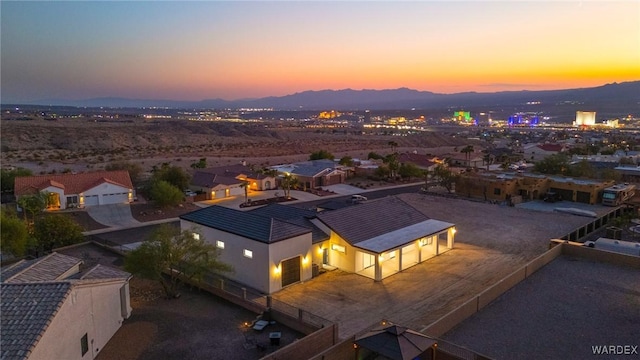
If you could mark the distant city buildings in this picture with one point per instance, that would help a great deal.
(585, 118)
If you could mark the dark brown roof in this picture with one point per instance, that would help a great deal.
(419, 160)
(210, 180)
(71, 183)
(371, 218)
(395, 342)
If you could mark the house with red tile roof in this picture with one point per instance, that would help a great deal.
(423, 162)
(79, 190)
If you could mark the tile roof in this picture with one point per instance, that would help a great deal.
(235, 171)
(26, 312)
(101, 272)
(252, 226)
(551, 147)
(49, 268)
(395, 342)
(209, 180)
(294, 215)
(416, 159)
(371, 218)
(71, 183)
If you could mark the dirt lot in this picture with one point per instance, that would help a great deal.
(195, 326)
(491, 242)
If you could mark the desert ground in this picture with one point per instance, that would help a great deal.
(82, 144)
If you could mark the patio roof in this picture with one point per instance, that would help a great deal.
(397, 238)
(395, 342)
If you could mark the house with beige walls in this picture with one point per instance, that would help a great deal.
(278, 245)
(56, 308)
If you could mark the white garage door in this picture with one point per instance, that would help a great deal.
(91, 200)
(115, 198)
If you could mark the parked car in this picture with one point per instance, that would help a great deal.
(355, 199)
(189, 193)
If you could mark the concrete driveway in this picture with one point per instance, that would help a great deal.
(113, 215)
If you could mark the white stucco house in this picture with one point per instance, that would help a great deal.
(79, 190)
(56, 308)
(279, 245)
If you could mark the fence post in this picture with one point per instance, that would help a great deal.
(300, 314)
(244, 293)
(221, 284)
(268, 301)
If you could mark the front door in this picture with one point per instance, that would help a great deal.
(325, 256)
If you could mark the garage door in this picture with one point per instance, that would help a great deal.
(120, 198)
(291, 271)
(91, 200)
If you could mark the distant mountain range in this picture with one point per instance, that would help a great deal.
(622, 95)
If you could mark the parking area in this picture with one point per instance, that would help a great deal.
(491, 242)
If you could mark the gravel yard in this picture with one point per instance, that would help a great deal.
(571, 305)
(492, 241)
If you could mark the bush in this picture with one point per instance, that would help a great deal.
(164, 194)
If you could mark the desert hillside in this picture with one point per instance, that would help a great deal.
(79, 144)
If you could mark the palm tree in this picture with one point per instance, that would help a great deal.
(467, 150)
(289, 182)
(245, 185)
(487, 159)
(393, 145)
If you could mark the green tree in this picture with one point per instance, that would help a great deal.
(200, 164)
(556, 164)
(245, 185)
(444, 176)
(174, 175)
(346, 161)
(289, 182)
(392, 163)
(321, 154)
(382, 172)
(56, 230)
(374, 156)
(8, 178)
(164, 194)
(582, 169)
(33, 205)
(14, 234)
(610, 174)
(393, 145)
(467, 150)
(174, 253)
(408, 171)
(135, 170)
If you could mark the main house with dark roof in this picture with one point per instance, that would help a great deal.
(79, 190)
(56, 308)
(278, 245)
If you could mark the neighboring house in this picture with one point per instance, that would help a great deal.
(79, 190)
(505, 185)
(537, 152)
(279, 245)
(315, 173)
(423, 162)
(54, 308)
(227, 181)
(470, 160)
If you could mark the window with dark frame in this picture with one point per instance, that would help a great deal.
(84, 344)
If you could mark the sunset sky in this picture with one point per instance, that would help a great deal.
(233, 50)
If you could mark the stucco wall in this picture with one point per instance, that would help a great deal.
(92, 309)
(259, 271)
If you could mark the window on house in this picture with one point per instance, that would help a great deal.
(220, 244)
(84, 344)
(338, 248)
(496, 191)
(196, 236)
(426, 241)
(248, 254)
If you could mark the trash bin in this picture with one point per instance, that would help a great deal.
(275, 338)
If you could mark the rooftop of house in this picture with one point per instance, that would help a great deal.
(419, 160)
(233, 171)
(210, 180)
(32, 293)
(247, 224)
(27, 310)
(372, 219)
(293, 215)
(71, 183)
